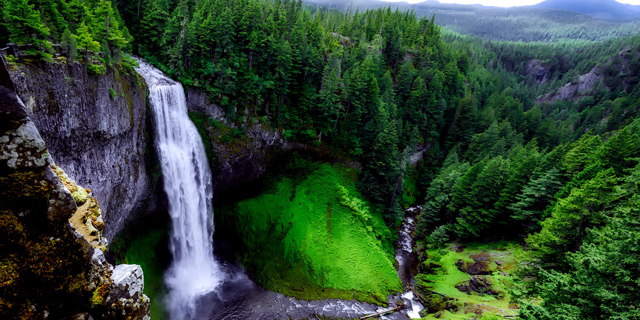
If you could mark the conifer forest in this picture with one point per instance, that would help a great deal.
(504, 161)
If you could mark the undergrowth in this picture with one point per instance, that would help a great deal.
(439, 273)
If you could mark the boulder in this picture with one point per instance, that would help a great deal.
(478, 284)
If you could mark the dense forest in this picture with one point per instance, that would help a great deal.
(500, 161)
(526, 24)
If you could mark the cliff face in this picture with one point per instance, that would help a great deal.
(51, 242)
(95, 128)
(236, 156)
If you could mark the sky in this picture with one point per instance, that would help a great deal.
(504, 3)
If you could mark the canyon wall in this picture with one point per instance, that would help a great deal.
(95, 127)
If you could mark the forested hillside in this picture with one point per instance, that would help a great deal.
(563, 21)
(499, 160)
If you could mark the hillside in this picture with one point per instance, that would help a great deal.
(525, 24)
(601, 9)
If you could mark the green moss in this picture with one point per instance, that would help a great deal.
(442, 275)
(113, 93)
(80, 195)
(315, 237)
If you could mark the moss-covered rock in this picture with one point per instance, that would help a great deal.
(48, 269)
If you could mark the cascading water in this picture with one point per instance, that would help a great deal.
(187, 183)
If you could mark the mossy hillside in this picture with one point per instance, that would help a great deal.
(439, 273)
(313, 237)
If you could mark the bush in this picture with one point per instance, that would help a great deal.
(113, 93)
(96, 69)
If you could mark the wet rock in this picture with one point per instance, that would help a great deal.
(477, 284)
(128, 281)
(480, 266)
(126, 295)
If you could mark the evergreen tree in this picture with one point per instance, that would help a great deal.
(25, 25)
(85, 40)
(536, 195)
(68, 45)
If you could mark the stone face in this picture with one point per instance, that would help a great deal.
(100, 141)
(61, 204)
(49, 269)
(240, 162)
(198, 101)
(128, 280)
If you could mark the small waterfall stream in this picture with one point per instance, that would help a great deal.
(406, 258)
(187, 183)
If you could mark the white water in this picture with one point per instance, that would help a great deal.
(187, 183)
(416, 306)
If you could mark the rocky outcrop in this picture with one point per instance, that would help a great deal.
(49, 267)
(538, 71)
(95, 128)
(238, 156)
(477, 284)
(573, 90)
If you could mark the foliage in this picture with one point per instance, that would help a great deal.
(96, 69)
(68, 44)
(113, 93)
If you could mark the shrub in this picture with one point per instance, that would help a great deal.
(96, 69)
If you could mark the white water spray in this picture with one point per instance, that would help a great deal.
(187, 182)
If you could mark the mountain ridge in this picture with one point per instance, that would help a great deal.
(601, 9)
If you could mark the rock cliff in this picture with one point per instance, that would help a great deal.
(238, 155)
(51, 239)
(95, 128)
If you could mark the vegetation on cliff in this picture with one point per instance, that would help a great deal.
(312, 235)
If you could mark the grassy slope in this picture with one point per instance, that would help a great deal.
(314, 237)
(444, 278)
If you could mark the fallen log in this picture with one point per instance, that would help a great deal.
(423, 300)
(438, 293)
(381, 313)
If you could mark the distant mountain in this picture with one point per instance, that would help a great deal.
(601, 9)
(527, 24)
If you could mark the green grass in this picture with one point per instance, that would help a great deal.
(315, 237)
(445, 275)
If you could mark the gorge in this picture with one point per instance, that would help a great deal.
(353, 163)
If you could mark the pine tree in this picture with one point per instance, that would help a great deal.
(68, 45)
(85, 40)
(584, 208)
(25, 25)
(534, 198)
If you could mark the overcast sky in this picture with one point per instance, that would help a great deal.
(503, 3)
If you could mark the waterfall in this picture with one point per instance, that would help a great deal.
(187, 183)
